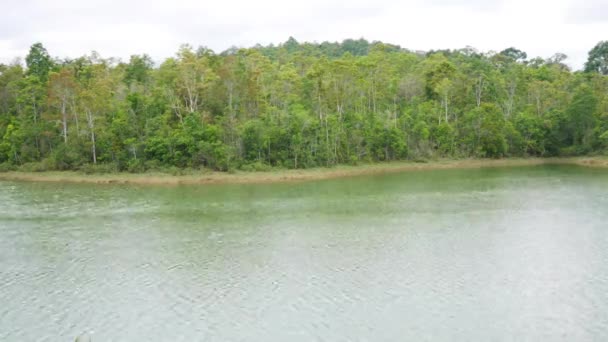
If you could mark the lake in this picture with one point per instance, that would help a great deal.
(500, 254)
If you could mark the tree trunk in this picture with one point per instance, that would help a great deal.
(91, 124)
(511, 98)
(94, 147)
(73, 107)
(445, 102)
(479, 90)
(64, 121)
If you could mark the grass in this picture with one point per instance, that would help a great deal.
(276, 176)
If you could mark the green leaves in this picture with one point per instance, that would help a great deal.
(598, 59)
(298, 105)
(38, 62)
(581, 114)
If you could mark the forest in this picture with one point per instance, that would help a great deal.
(297, 105)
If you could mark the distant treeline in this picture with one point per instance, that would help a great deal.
(297, 105)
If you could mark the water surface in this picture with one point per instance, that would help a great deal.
(509, 254)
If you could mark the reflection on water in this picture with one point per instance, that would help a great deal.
(491, 254)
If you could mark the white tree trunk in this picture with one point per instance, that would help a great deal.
(91, 123)
(64, 120)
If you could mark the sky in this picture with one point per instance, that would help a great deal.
(73, 28)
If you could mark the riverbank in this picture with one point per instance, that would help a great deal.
(240, 177)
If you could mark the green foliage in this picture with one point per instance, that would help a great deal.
(38, 62)
(581, 115)
(99, 168)
(598, 59)
(514, 54)
(604, 140)
(296, 105)
(492, 140)
(532, 131)
(6, 167)
(41, 166)
(256, 166)
(65, 157)
(444, 137)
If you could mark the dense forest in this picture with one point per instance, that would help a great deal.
(297, 105)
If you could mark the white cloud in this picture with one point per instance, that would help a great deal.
(71, 28)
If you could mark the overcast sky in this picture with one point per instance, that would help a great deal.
(72, 28)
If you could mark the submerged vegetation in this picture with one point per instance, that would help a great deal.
(297, 105)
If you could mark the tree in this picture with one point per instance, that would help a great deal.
(38, 62)
(138, 69)
(598, 59)
(61, 95)
(291, 45)
(444, 88)
(492, 138)
(194, 76)
(297, 105)
(581, 113)
(185, 81)
(514, 54)
(31, 100)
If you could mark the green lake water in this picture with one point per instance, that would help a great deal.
(508, 254)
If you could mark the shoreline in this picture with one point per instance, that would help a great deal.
(284, 176)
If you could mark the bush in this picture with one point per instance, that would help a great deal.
(569, 151)
(136, 166)
(5, 167)
(213, 155)
(153, 165)
(256, 167)
(175, 171)
(65, 157)
(99, 168)
(41, 166)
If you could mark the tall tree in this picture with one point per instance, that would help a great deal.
(38, 62)
(61, 95)
(598, 59)
(581, 113)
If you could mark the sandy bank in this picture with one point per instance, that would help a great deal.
(288, 175)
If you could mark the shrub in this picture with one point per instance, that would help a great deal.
(41, 166)
(99, 168)
(65, 157)
(136, 166)
(256, 167)
(5, 167)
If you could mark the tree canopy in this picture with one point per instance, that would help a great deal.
(598, 59)
(297, 105)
